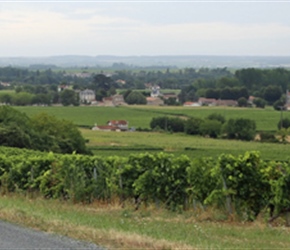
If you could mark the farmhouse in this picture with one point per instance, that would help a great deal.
(191, 104)
(112, 101)
(105, 128)
(166, 96)
(154, 101)
(108, 102)
(113, 125)
(118, 100)
(207, 101)
(214, 102)
(121, 124)
(229, 103)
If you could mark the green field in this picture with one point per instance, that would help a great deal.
(140, 116)
(124, 143)
(151, 227)
(113, 143)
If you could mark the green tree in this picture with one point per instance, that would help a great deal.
(173, 124)
(64, 133)
(42, 132)
(6, 98)
(14, 129)
(69, 97)
(22, 99)
(259, 102)
(103, 85)
(217, 117)
(187, 94)
(241, 129)
(272, 94)
(242, 102)
(211, 128)
(283, 123)
(192, 125)
(279, 105)
(171, 101)
(250, 78)
(212, 93)
(136, 97)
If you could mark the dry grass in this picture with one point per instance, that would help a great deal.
(111, 239)
(147, 228)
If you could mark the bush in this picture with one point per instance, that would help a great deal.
(211, 128)
(43, 132)
(242, 102)
(259, 102)
(241, 129)
(279, 105)
(192, 125)
(136, 97)
(267, 137)
(217, 117)
(284, 123)
(172, 124)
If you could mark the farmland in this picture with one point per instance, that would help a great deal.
(111, 225)
(110, 143)
(140, 116)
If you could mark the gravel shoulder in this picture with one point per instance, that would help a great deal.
(16, 237)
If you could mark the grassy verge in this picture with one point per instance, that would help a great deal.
(149, 228)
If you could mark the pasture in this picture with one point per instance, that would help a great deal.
(113, 143)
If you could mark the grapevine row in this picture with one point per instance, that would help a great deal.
(244, 185)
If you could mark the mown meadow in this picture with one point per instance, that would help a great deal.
(140, 116)
(124, 143)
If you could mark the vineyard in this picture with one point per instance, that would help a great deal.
(243, 185)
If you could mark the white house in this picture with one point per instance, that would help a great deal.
(87, 96)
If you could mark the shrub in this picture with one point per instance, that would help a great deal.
(217, 117)
(284, 123)
(192, 125)
(267, 137)
(173, 124)
(241, 128)
(242, 102)
(211, 128)
(136, 97)
(259, 102)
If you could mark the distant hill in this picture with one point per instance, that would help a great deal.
(147, 61)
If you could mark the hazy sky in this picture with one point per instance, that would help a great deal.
(47, 28)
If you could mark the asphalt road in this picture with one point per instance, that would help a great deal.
(16, 237)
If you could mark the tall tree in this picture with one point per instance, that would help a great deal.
(69, 97)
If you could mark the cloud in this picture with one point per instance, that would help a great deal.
(55, 30)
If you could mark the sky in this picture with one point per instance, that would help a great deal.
(144, 28)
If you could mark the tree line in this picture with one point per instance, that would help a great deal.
(267, 85)
(213, 126)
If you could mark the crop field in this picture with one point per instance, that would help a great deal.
(114, 143)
